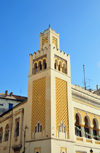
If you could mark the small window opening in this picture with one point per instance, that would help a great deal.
(38, 126)
(55, 65)
(86, 128)
(94, 129)
(59, 67)
(35, 68)
(44, 64)
(62, 128)
(77, 127)
(7, 132)
(35, 129)
(40, 66)
(17, 129)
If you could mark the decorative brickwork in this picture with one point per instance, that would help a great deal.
(54, 41)
(44, 40)
(38, 103)
(63, 150)
(37, 150)
(61, 103)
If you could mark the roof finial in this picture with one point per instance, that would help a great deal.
(49, 25)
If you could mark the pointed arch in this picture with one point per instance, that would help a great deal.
(95, 128)
(87, 125)
(77, 124)
(6, 133)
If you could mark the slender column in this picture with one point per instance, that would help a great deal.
(57, 66)
(61, 68)
(83, 134)
(91, 132)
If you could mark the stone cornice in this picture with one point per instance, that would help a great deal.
(85, 94)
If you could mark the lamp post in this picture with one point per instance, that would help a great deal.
(91, 151)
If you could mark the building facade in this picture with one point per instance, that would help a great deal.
(8, 101)
(57, 116)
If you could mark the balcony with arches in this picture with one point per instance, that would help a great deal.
(84, 131)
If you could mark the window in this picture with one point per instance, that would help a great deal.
(59, 67)
(35, 68)
(6, 133)
(44, 64)
(62, 128)
(17, 127)
(1, 134)
(94, 129)
(1, 104)
(55, 65)
(86, 127)
(10, 106)
(38, 128)
(40, 66)
(35, 129)
(77, 126)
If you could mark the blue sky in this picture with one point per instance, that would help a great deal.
(21, 21)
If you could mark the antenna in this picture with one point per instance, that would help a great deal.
(84, 77)
(20, 91)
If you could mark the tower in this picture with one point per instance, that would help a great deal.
(49, 95)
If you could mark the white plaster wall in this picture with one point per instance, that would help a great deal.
(45, 146)
(6, 103)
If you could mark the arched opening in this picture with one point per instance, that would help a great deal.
(63, 69)
(62, 127)
(38, 127)
(35, 68)
(40, 66)
(6, 133)
(1, 134)
(77, 126)
(55, 64)
(94, 129)
(44, 64)
(59, 67)
(86, 127)
(17, 128)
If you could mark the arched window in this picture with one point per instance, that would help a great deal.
(86, 127)
(6, 133)
(37, 151)
(38, 128)
(17, 130)
(55, 65)
(44, 64)
(94, 129)
(40, 66)
(64, 69)
(77, 126)
(62, 128)
(59, 67)
(35, 68)
(63, 151)
(1, 134)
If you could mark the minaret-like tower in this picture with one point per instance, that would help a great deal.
(49, 106)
